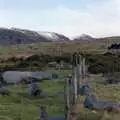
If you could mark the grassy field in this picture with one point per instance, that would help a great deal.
(20, 106)
(102, 92)
(94, 47)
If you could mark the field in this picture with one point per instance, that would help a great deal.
(94, 47)
(102, 92)
(20, 106)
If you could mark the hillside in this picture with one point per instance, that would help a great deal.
(19, 36)
(88, 38)
(83, 37)
(15, 36)
(111, 38)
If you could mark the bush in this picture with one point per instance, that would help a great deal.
(103, 63)
(23, 64)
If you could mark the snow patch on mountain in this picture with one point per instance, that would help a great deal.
(49, 35)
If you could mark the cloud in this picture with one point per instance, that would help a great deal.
(95, 20)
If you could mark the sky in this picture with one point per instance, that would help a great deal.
(72, 18)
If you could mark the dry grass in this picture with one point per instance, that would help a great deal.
(103, 92)
(53, 48)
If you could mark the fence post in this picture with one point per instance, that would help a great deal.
(79, 70)
(74, 77)
(75, 84)
(67, 98)
(43, 115)
(83, 70)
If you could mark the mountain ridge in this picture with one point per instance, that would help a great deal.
(13, 36)
(23, 36)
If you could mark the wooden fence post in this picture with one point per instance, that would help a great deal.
(74, 77)
(83, 69)
(67, 99)
(75, 84)
(79, 69)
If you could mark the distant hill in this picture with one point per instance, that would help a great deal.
(21, 36)
(112, 38)
(84, 37)
(15, 36)
(88, 38)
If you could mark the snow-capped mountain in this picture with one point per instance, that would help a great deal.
(50, 36)
(84, 37)
(53, 36)
(18, 36)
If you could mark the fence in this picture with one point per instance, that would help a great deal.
(74, 82)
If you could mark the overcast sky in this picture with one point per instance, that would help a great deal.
(69, 17)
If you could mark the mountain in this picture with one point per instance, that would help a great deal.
(88, 38)
(15, 36)
(54, 36)
(112, 38)
(22, 36)
(84, 37)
